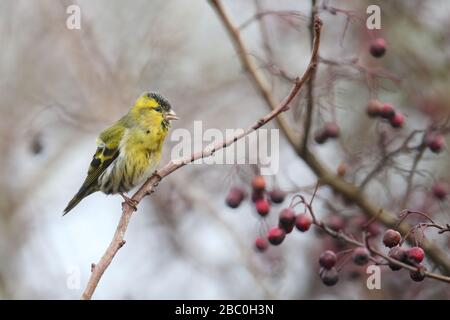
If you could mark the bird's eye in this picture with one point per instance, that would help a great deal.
(158, 109)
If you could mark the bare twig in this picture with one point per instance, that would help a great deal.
(248, 64)
(310, 92)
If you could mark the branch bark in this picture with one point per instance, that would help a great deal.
(149, 186)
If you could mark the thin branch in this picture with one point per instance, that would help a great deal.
(310, 91)
(410, 178)
(385, 159)
(249, 65)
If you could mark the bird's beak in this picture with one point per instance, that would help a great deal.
(171, 115)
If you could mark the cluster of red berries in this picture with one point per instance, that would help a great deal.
(377, 47)
(412, 256)
(329, 273)
(329, 130)
(287, 220)
(376, 108)
(260, 197)
(360, 256)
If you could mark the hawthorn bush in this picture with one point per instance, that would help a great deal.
(388, 205)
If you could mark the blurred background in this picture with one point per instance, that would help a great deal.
(61, 87)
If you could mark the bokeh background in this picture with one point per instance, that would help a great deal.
(61, 87)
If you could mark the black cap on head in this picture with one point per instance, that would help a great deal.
(163, 102)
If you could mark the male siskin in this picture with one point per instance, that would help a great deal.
(129, 151)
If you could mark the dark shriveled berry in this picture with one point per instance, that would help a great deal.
(329, 277)
(287, 229)
(391, 238)
(303, 222)
(435, 142)
(277, 196)
(377, 47)
(235, 197)
(261, 244)
(397, 253)
(360, 256)
(320, 137)
(327, 259)
(418, 275)
(276, 236)
(287, 219)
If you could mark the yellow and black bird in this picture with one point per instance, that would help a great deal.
(129, 151)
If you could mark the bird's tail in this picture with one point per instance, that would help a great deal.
(83, 193)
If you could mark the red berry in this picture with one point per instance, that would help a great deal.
(377, 47)
(391, 238)
(235, 197)
(360, 256)
(259, 183)
(331, 130)
(262, 207)
(374, 108)
(287, 218)
(327, 259)
(415, 254)
(397, 120)
(329, 277)
(418, 275)
(440, 190)
(276, 236)
(397, 253)
(435, 142)
(303, 222)
(387, 111)
(320, 137)
(277, 195)
(261, 244)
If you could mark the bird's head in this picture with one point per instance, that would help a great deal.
(154, 108)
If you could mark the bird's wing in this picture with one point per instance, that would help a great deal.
(108, 150)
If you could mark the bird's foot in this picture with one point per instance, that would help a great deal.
(131, 202)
